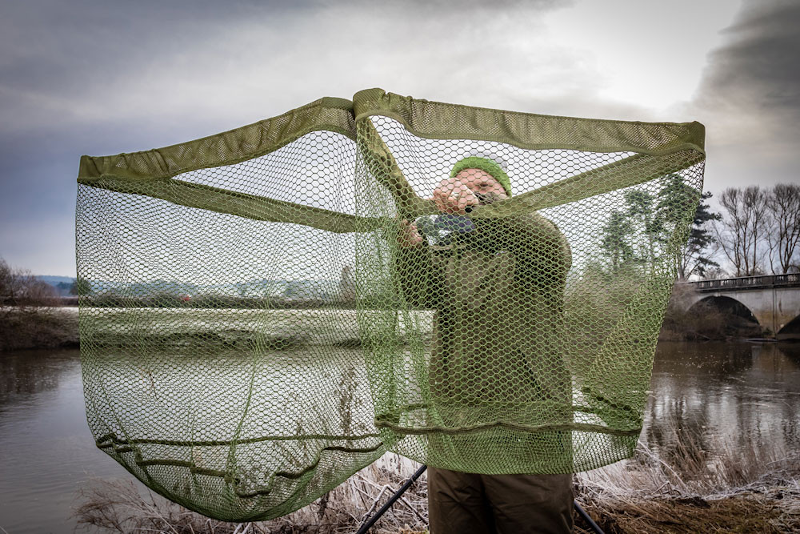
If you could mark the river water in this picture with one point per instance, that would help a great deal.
(727, 391)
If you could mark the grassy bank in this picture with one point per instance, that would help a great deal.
(34, 327)
(42, 327)
(682, 488)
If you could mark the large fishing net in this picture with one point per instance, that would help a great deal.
(268, 310)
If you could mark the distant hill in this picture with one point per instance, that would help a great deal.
(287, 289)
(62, 284)
(52, 280)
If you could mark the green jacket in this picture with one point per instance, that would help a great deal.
(498, 293)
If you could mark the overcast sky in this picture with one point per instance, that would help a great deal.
(101, 77)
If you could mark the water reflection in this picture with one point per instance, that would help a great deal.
(46, 448)
(24, 374)
(725, 392)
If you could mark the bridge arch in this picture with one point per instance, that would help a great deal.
(727, 315)
(790, 331)
(724, 304)
(774, 300)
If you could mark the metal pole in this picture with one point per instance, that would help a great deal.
(377, 515)
(585, 516)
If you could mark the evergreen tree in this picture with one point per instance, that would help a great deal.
(615, 240)
(81, 287)
(647, 228)
(695, 258)
(692, 255)
(640, 210)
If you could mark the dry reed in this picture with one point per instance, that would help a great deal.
(688, 488)
(683, 487)
(120, 506)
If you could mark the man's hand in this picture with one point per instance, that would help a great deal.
(454, 197)
(409, 235)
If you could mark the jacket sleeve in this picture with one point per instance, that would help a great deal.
(542, 261)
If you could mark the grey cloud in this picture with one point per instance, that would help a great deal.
(451, 6)
(85, 60)
(55, 54)
(102, 77)
(749, 98)
(754, 80)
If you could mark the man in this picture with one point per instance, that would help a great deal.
(497, 286)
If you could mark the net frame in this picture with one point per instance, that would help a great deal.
(647, 151)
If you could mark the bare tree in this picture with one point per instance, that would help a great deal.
(741, 230)
(35, 292)
(20, 288)
(783, 204)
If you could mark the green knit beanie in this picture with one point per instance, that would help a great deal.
(484, 164)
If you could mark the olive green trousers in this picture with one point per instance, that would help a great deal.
(466, 503)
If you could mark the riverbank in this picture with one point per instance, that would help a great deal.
(35, 327)
(746, 487)
(683, 488)
(57, 327)
(705, 323)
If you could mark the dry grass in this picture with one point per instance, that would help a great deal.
(682, 488)
(746, 513)
(752, 487)
(118, 506)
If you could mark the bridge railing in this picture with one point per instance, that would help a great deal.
(749, 282)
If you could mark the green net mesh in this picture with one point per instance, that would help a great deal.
(268, 310)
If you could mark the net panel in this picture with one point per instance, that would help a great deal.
(220, 352)
(266, 311)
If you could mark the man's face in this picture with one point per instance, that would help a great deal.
(483, 185)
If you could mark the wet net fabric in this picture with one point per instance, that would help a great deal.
(257, 323)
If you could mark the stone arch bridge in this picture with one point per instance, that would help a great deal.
(772, 301)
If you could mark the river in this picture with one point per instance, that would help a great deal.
(731, 391)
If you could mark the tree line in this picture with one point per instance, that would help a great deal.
(757, 231)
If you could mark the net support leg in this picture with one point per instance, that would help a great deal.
(581, 512)
(377, 515)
